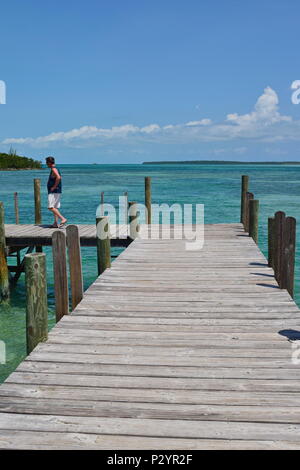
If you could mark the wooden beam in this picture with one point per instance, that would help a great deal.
(244, 190)
(60, 274)
(279, 223)
(103, 244)
(37, 202)
(36, 300)
(75, 266)
(248, 198)
(253, 219)
(148, 199)
(270, 241)
(288, 258)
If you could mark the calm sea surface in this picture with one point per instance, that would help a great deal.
(216, 186)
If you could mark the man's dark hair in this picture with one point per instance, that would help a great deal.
(50, 160)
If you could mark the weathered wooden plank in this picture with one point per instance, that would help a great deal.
(92, 408)
(292, 330)
(78, 338)
(86, 364)
(151, 427)
(167, 383)
(178, 355)
(257, 324)
(153, 396)
(171, 336)
(81, 441)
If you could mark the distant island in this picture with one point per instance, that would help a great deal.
(12, 161)
(219, 162)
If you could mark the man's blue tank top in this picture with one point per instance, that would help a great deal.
(51, 182)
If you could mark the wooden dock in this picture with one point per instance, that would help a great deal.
(169, 349)
(26, 235)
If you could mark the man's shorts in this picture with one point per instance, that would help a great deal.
(54, 200)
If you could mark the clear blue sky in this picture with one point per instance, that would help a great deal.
(129, 81)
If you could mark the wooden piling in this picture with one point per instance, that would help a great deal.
(288, 257)
(36, 300)
(102, 203)
(270, 241)
(16, 201)
(244, 190)
(37, 202)
(60, 274)
(103, 244)
(75, 266)
(133, 220)
(148, 199)
(4, 275)
(248, 198)
(253, 219)
(279, 222)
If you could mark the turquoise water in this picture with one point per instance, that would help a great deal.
(216, 186)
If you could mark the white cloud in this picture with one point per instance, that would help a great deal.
(265, 111)
(263, 124)
(150, 129)
(203, 122)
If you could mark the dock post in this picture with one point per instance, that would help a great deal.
(288, 259)
(103, 244)
(270, 241)
(37, 207)
(4, 275)
(75, 266)
(244, 190)
(148, 199)
(37, 202)
(253, 219)
(279, 222)
(134, 227)
(36, 300)
(60, 274)
(248, 198)
(16, 201)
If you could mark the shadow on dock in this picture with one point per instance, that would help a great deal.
(290, 334)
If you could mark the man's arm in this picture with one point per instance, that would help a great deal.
(58, 178)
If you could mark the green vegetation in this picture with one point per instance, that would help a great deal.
(12, 161)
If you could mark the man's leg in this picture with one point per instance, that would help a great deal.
(52, 209)
(58, 215)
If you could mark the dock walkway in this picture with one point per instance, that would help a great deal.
(169, 349)
(25, 235)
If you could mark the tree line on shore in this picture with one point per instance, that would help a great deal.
(12, 161)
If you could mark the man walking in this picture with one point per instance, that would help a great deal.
(54, 192)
